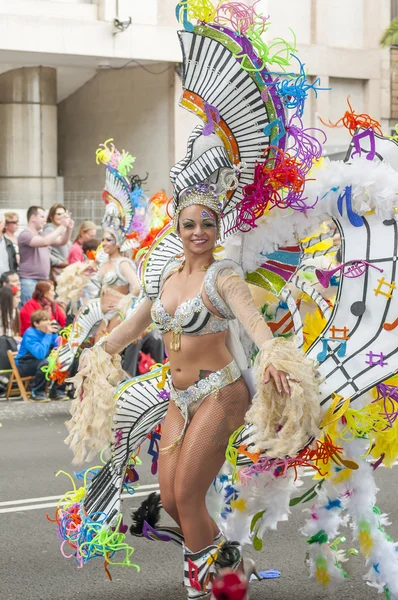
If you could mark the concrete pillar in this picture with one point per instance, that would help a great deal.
(28, 137)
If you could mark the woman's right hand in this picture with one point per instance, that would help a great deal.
(90, 268)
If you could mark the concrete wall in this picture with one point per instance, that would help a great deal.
(73, 29)
(339, 42)
(130, 105)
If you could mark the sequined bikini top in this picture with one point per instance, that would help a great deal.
(192, 317)
(115, 278)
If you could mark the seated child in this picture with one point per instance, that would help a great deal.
(37, 342)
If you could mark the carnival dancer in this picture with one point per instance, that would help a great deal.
(119, 283)
(209, 398)
(130, 224)
(253, 181)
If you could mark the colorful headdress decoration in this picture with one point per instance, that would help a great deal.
(203, 194)
(122, 197)
(244, 109)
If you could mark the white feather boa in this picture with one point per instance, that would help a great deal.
(374, 187)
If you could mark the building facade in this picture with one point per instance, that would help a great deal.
(74, 73)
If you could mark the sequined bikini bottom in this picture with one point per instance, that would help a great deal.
(189, 400)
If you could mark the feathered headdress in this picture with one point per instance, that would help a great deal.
(123, 197)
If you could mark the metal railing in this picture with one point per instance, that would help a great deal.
(83, 206)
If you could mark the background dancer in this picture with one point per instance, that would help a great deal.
(119, 283)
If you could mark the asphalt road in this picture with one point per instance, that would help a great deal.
(32, 568)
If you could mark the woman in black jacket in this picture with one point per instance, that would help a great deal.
(9, 323)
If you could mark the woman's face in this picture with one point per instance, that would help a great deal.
(16, 299)
(88, 235)
(198, 229)
(50, 294)
(108, 243)
(12, 226)
(58, 216)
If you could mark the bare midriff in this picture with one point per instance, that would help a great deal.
(110, 296)
(198, 353)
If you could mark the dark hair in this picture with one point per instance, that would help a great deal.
(33, 211)
(7, 311)
(90, 245)
(53, 210)
(39, 315)
(136, 181)
(42, 287)
(4, 277)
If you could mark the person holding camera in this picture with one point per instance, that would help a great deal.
(37, 343)
(43, 299)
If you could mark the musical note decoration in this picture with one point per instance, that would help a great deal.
(210, 110)
(78, 330)
(391, 326)
(281, 130)
(151, 534)
(337, 333)
(358, 308)
(153, 451)
(379, 290)
(351, 269)
(193, 575)
(376, 359)
(341, 351)
(118, 437)
(355, 219)
(368, 133)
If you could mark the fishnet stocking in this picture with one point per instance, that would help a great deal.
(186, 473)
(171, 430)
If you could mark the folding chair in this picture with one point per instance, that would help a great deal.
(17, 384)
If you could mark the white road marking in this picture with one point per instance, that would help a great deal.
(142, 490)
(38, 503)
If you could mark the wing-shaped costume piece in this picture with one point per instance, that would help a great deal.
(352, 346)
(86, 320)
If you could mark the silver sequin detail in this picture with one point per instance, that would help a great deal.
(214, 382)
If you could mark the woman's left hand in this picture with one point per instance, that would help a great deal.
(280, 379)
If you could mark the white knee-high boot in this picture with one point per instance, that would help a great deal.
(199, 567)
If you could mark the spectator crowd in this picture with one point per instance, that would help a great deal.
(30, 316)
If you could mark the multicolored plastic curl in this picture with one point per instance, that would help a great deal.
(52, 370)
(352, 121)
(240, 17)
(305, 147)
(65, 332)
(256, 54)
(201, 10)
(108, 154)
(388, 396)
(51, 364)
(87, 535)
(293, 89)
(279, 182)
(313, 456)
